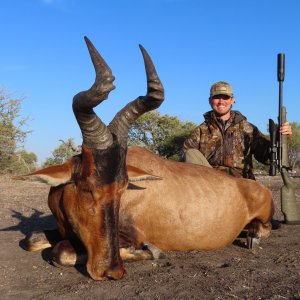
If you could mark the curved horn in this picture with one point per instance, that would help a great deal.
(94, 131)
(155, 89)
(152, 100)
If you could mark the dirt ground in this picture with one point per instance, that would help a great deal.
(271, 272)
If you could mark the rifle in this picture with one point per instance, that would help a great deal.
(279, 155)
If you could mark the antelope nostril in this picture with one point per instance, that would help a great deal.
(115, 274)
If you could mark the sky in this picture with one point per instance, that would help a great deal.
(192, 43)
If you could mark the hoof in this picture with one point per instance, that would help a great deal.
(156, 252)
(253, 242)
(35, 241)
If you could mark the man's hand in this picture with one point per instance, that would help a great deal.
(286, 128)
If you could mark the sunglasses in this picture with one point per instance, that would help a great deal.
(224, 97)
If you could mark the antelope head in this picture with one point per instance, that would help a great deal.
(94, 181)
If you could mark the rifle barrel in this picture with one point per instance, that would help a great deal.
(280, 77)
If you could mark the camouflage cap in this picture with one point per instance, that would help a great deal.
(221, 88)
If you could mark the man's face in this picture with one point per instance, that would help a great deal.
(221, 104)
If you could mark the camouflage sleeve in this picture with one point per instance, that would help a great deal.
(260, 147)
(193, 141)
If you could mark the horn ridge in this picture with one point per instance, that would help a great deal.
(94, 131)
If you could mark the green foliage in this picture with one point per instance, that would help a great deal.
(163, 135)
(295, 138)
(62, 153)
(12, 134)
(29, 158)
(23, 162)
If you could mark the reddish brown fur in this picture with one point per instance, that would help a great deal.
(189, 207)
(192, 207)
(78, 209)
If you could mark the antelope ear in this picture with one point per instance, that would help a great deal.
(136, 174)
(54, 175)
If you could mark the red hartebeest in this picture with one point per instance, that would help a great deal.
(88, 206)
(168, 205)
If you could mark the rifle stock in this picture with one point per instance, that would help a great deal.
(279, 157)
(273, 129)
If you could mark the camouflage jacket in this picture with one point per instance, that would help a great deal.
(229, 146)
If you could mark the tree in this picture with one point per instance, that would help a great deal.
(12, 134)
(295, 138)
(62, 153)
(163, 135)
(23, 162)
(294, 145)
